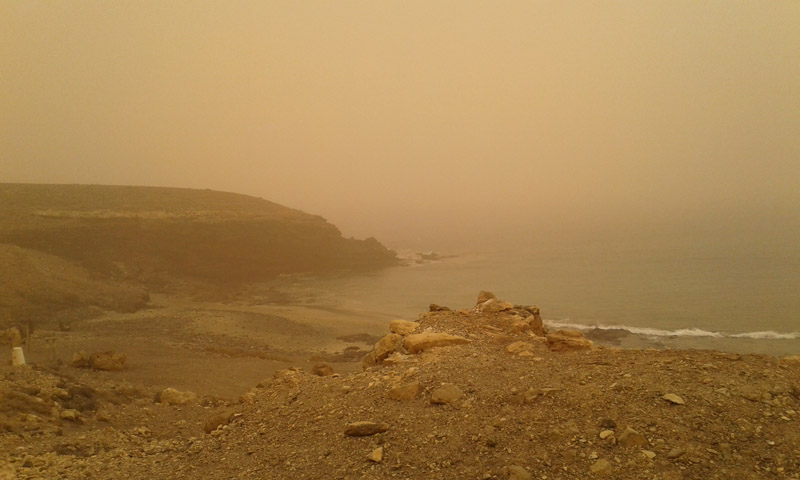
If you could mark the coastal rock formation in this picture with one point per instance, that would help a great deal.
(566, 340)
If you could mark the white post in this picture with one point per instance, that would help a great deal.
(17, 356)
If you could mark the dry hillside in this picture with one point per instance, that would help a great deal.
(484, 393)
(67, 247)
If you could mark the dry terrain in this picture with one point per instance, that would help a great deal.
(482, 393)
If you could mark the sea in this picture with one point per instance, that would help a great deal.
(720, 292)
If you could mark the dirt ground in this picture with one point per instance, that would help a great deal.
(212, 348)
(499, 403)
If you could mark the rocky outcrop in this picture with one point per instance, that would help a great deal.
(419, 342)
(403, 327)
(383, 348)
(566, 340)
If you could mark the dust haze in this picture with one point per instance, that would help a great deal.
(420, 123)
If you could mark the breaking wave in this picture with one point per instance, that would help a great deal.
(681, 332)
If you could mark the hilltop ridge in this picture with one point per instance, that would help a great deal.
(162, 238)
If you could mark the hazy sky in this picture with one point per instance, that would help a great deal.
(406, 118)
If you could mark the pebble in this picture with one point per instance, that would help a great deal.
(675, 452)
(447, 394)
(515, 472)
(364, 429)
(376, 455)
(601, 467)
(673, 398)
(631, 438)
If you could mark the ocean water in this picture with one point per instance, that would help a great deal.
(685, 293)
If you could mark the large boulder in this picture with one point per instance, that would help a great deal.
(418, 342)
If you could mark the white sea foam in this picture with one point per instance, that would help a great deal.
(768, 334)
(681, 332)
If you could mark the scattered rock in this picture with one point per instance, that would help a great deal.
(676, 452)
(517, 348)
(403, 327)
(376, 455)
(673, 398)
(632, 438)
(217, 420)
(171, 396)
(447, 394)
(606, 433)
(515, 472)
(405, 392)
(70, 414)
(397, 358)
(247, 397)
(601, 467)
(364, 429)
(322, 369)
(108, 361)
(383, 348)
(418, 342)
